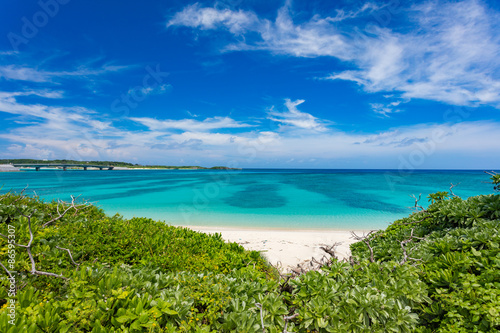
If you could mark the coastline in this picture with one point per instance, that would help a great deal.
(286, 248)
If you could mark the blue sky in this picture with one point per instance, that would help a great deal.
(293, 84)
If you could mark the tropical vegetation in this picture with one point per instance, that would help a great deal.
(438, 270)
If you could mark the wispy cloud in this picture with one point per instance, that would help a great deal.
(9, 103)
(294, 118)
(146, 91)
(448, 52)
(450, 56)
(190, 124)
(206, 18)
(31, 74)
(7, 53)
(385, 109)
(49, 131)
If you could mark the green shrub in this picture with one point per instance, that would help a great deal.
(437, 270)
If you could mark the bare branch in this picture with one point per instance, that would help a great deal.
(417, 206)
(69, 252)
(20, 245)
(288, 318)
(21, 195)
(61, 215)
(28, 250)
(365, 239)
(8, 272)
(258, 305)
(405, 253)
(331, 249)
(451, 190)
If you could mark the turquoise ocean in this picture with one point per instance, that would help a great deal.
(253, 198)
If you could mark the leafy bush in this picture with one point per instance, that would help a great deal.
(459, 247)
(437, 270)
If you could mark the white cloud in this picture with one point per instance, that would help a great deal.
(10, 104)
(195, 16)
(450, 56)
(46, 131)
(448, 51)
(23, 73)
(385, 109)
(190, 124)
(7, 53)
(146, 91)
(294, 118)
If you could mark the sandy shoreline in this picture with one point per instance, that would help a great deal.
(286, 247)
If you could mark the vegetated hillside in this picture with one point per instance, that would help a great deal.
(436, 271)
(33, 161)
(106, 163)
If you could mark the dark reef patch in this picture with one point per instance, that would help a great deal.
(257, 196)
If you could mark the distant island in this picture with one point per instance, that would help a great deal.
(116, 165)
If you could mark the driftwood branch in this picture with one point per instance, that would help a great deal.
(315, 264)
(330, 249)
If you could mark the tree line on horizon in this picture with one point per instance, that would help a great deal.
(103, 163)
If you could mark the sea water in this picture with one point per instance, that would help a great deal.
(258, 198)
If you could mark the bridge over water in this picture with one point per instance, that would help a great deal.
(38, 166)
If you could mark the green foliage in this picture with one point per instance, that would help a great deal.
(128, 299)
(144, 241)
(368, 297)
(437, 270)
(90, 235)
(496, 181)
(438, 196)
(459, 244)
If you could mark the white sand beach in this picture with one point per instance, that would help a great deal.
(286, 247)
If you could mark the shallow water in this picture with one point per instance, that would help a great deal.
(292, 199)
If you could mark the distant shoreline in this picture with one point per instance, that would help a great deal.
(17, 165)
